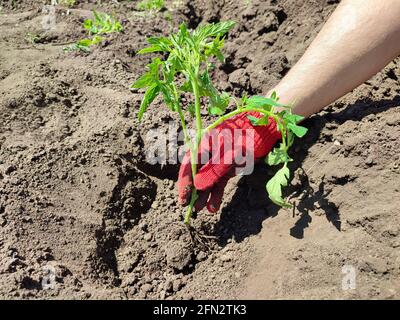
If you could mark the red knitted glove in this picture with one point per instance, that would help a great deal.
(212, 177)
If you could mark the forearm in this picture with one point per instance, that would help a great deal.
(359, 39)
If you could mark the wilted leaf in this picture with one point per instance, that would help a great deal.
(278, 156)
(275, 184)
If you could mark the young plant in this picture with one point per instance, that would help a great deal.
(33, 38)
(150, 5)
(101, 25)
(84, 44)
(67, 3)
(189, 55)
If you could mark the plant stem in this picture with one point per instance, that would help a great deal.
(182, 118)
(189, 144)
(197, 106)
(235, 112)
(195, 147)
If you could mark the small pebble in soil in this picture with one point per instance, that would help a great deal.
(168, 285)
(177, 285)
(3, 222)
(143, 226)
(226, 257)
(26, 219)
(201, 256)
(369, 161)
(154, 205)
(147, 288)
(162, 295)
(147, 237)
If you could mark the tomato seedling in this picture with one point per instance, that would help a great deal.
(190, 54)
(84, 44)
(150, 5)
(67, 3)
(33, 38)
(101, 25)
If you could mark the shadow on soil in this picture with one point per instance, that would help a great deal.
(250, 205)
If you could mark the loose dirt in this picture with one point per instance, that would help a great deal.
(81, 207)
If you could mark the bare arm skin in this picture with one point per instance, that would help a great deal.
(359, 39)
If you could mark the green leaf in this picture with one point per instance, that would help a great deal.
(96, 40)
(278, 156)
(186, 87)
(183, 32)
(175, 62)
(144, 81)
(205, 85)
(262, 102)
(154, 67)
(162, 42)
(87, 24)
(103, 23)
(299, 131)
(150, 5)
(150, 49)
(275, 184)
(97, 16)
(168, 97)
(148, 98)
(218, 103)
(150, 77)
(84, 42)
(191, 109)
(253, 120)
(214, 49)
(290, 139)
(212, 30)
(168, 71)
(291, 117)
(263, 121)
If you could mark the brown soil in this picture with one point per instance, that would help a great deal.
(77, 194)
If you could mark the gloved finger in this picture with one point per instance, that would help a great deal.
(217, 193)
(201, 200)
(185, 177)
(210, 174)
(220, 163)
(185, 180)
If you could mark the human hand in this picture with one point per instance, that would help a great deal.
(212, 177)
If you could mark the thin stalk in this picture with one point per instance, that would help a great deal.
(184, 128)
(182, 119)
(235, 112)
(195, 147)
